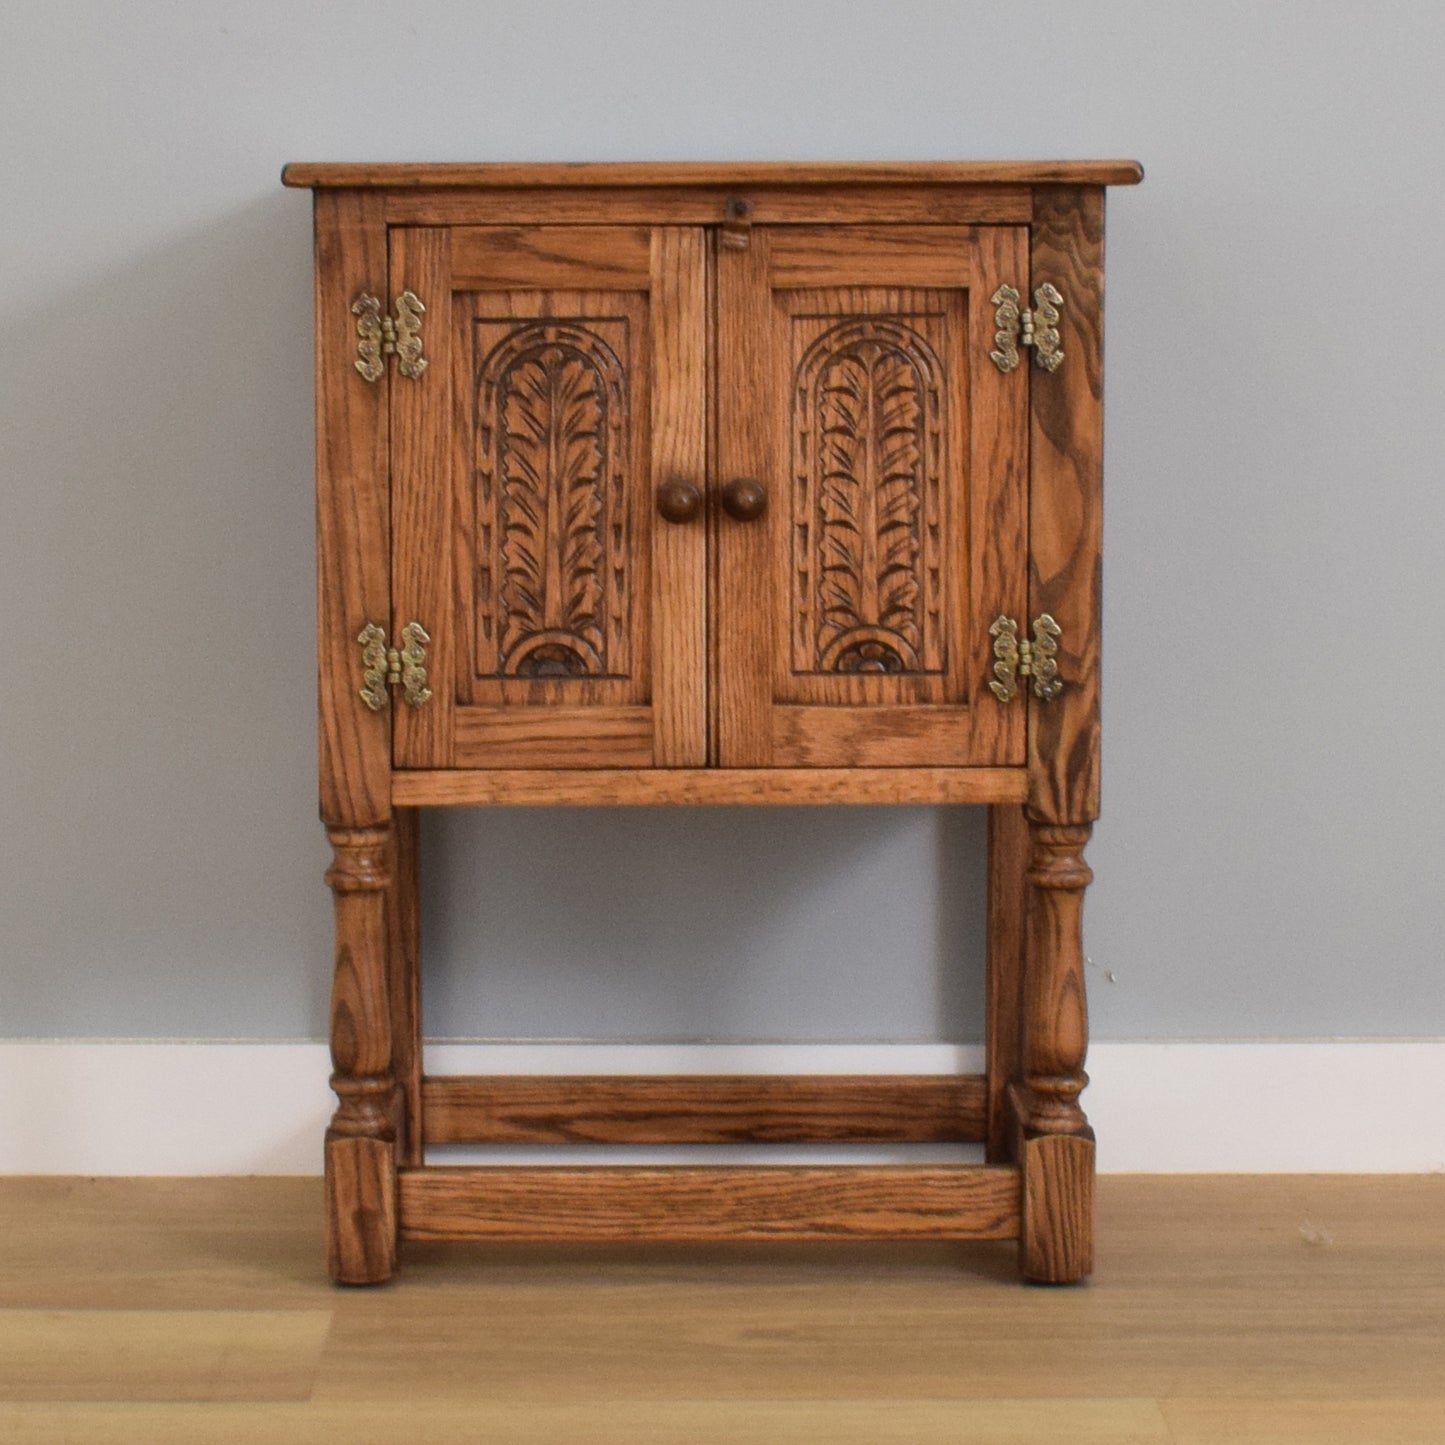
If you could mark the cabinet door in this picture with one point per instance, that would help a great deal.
(565, 382)
(854, 383)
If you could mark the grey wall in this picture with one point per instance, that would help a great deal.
(1270, 859)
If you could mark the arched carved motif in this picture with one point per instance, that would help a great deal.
(868, 411)
(552, 431)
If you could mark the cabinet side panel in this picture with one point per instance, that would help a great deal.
(352, 511)
(679, 452)
(1066, 507)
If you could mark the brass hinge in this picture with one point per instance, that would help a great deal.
(382, 336)
(1016, 657)
(383, 666)
(1038, 328)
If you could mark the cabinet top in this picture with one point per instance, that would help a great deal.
(707, 173)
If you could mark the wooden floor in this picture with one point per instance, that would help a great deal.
(1224, 1309)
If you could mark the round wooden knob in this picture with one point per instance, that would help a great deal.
(679, 501)
(745, 500)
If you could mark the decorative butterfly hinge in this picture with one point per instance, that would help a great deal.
(1038, 328)
(382, 336)
(1016, 657)
(383, 666)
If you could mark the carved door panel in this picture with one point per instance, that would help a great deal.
(565, 381)
(854, 382)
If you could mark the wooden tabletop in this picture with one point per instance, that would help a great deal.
(708, 173)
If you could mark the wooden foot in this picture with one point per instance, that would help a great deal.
(361, 1144)
(361, 1222)
(1056, 1210)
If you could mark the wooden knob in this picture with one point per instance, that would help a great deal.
(745, 500)
(679, 501)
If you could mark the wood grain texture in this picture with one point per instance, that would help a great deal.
(1055, 1012)
(746, 379)
(892, 256)
(403, 922)
(1066, 509)
(682, 1204)
(1008, 853)
(541, 258)
(609, 1421)
(552, 737)
(1207, 1299)
(1056, 1227)
(361, 1211)
(924, 1109)
(554, 497)
(894, 453)
(594, 332)
(881, 735)
(361, 1141)
(1053, 1143)
(642, 787)
(535, 568)
(679, 262)
(353, 584)
(704, 173)
(869, 416)
(423, 422)
(998, 497)
(137, 1355)
(942, 205)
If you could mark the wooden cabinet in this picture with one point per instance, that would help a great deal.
(695, 484)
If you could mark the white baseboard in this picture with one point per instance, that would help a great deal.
(101, 1107)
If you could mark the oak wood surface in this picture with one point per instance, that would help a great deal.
(546, 258)
(361, 1140)
(598, 787)
(353, 585)
(1055, 1034)
(708, 205)
(1053, 1143)
(1056, 1224)
(820, 335)
(702, 173)
(679, 278)
(1008, 851)
(719, 1202)
(557, 736)
(882, 735)
(1066, 505)
(403, 922)
(553, 494)
(1251, 1310)
(745, 603)
(424, 512)
(854, 386)
(567, 618)
(703, 1109)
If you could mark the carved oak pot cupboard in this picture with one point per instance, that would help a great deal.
(710, 484)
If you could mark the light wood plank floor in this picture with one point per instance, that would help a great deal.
(1246, 1310)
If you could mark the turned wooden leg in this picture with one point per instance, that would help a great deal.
(1055, 1145)
(361, 1143)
